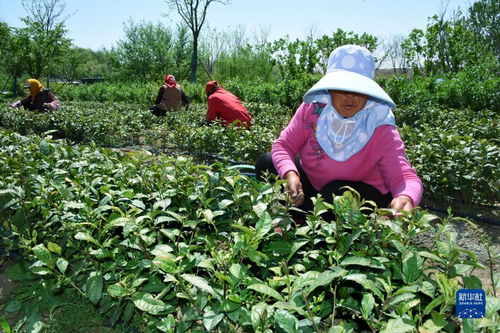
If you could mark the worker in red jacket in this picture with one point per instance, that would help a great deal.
(225, 106)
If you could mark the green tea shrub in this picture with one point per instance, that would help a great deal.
(454, 167)
(173, 245)
(139, 93)
(469, 89)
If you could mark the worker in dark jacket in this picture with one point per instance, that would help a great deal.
(225, 106)
(170, 97)
(39, 99)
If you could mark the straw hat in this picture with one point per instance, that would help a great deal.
(350, 68)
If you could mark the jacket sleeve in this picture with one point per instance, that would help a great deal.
(54, 104)
(26, 101)
(290, 142)
(160, 95)
(397, 171)
(212, 108)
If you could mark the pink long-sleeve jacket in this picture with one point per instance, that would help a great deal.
(381, 163)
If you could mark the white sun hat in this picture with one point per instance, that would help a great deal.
(350, 68)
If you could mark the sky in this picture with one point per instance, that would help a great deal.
(98, 24)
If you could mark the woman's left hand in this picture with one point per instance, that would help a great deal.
(402, 202)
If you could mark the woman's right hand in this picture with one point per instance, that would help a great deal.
(294, 188)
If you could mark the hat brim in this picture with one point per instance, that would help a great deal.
(346, 81)
(171, 85)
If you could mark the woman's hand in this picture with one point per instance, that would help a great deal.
(402, 202)
(294, 188)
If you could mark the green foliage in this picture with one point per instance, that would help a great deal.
(449, 46)
(176, 246)
(44, 48)
(294, 58)
(81, 63)
(455, 151)
(148, 50)
(107, 124)
(475, 88)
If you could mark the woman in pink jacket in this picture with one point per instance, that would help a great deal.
(344, 134)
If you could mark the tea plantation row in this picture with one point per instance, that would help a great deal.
(165, 244)
(455, 151)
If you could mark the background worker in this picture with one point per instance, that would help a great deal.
(170, 97)
(226, 107)
(39, 99)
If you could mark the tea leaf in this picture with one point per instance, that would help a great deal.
(259, 208)
(43, 254)
(225, 203)
(139, 204)
(86, 237)
(62, 264)
(163, 204)
(211, 319)
(398, 325)
(19, 220)
(393, 301)
(297, 244)
(199, 282)
(54, 248)
(325, 278)
(412, 267)
(94, 286)
(239, 271)
(435, 302)
(147, 303)
(264, 225)
(266, 290)
(4, 324)
(257, 257)
(435, 324)
(365, 282)
(362, 261)
(161, 250)
(259, 314)
(117, 290)
(289, 306)
(367, 304)
(285, 320)
(166, 324)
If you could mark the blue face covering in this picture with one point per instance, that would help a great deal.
(342, 137)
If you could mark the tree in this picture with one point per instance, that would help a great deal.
(45, 27)
(14, 52)
(310, 56)
(48, 13)
(145, 52)
(414, 47)
(484, 22)
(394, 50)
(82, 63)
(193, 13)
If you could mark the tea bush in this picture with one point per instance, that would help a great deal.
(174, 246)
(474, 88)
(455, 151)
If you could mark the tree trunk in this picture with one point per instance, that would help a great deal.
(194, 59)
(14, 86)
